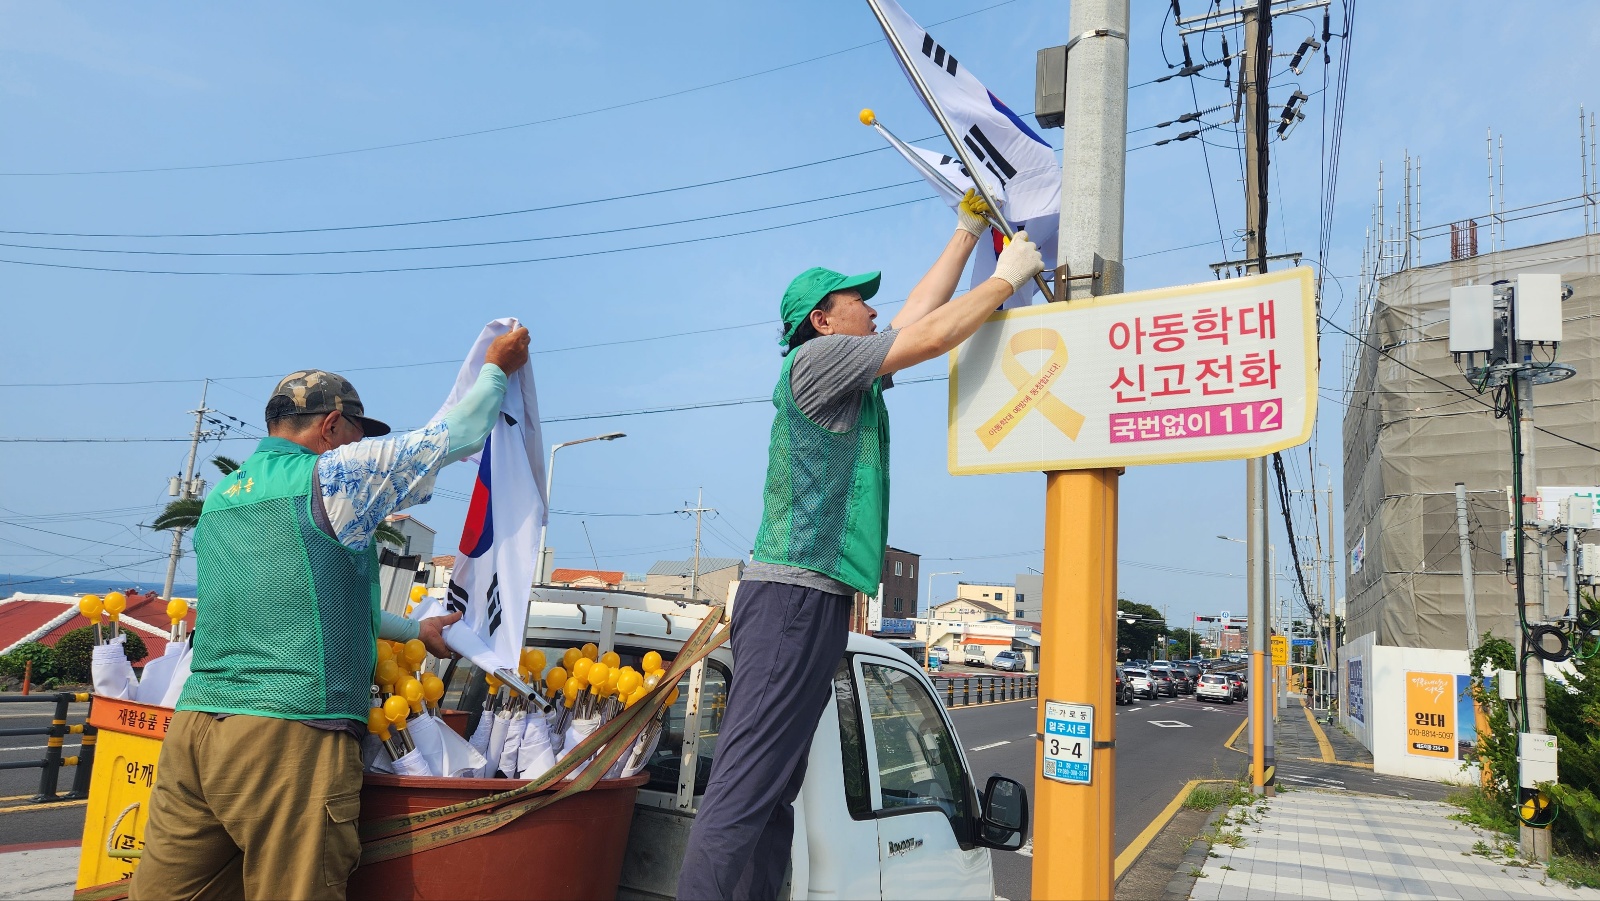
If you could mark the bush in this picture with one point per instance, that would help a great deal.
(75, 648)
(43, 656)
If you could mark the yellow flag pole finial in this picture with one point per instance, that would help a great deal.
(868, 117)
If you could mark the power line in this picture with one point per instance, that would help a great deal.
(480, 265)
(486, 131)
(461, 245)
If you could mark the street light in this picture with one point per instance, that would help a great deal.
(549, 484)
(927, 616)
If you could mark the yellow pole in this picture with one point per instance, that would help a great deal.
(1075, 822)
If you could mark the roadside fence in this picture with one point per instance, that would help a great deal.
(56, 734)
(968, 690)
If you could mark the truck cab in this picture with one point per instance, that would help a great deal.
(889, 807)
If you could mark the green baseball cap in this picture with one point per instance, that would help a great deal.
(811, 286)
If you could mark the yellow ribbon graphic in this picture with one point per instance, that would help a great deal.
(1033, 388)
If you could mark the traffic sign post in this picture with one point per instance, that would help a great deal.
(1069, 742)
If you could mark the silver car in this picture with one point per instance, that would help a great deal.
(1142, 684)
(1010, 661)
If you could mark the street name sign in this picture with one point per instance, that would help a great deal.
(1216, 371)
(1069, 742)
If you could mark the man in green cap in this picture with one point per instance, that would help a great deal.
(823, 533)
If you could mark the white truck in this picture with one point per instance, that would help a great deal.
(889, 807)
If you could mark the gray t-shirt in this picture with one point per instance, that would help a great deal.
(828, 378)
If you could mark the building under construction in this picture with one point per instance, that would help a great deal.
(1410, 435)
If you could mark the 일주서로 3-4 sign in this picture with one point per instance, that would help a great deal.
(1216, 371)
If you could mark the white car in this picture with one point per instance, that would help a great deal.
(1214, 687)
(972, 655)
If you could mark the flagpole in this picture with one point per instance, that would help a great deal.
(949, 132)
(868, 117)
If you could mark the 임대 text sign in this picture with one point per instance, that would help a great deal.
(1069, 742)
(1216, 371)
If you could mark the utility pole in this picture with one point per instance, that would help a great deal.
(1331, 656)
(698, 510)
(1255, 72)
(1075, 824)
(186, 489)
(1468, 600)
(1534, 840)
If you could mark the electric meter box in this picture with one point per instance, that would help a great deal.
(1050, 87)
(1471, 318)
(1577, 511)
(1508, 546)
(1537, 308)
(1536, 762)
(1505, 682)
(1589, 560)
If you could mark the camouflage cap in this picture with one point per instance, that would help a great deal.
(316, 391)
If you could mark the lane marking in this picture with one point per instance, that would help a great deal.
(1243, 721)
(1027, 848)
(1322, 738)
(986, 747)
(1170, 724)
(29, 808)
(1143, 839)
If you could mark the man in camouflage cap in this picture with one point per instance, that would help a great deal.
(259, 783)
(315, 392)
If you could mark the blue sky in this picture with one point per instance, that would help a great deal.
(92, 87)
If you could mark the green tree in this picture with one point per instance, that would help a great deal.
(1136, 638)
(75, 648)
(1187, 639)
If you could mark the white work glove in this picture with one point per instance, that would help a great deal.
(970, 214)
(1019, 262)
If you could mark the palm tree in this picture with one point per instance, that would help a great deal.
(184, 513)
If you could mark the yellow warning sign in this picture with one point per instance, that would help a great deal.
(1280, 650)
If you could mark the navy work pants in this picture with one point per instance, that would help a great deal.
(787, 642)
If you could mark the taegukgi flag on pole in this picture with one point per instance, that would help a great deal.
(947, 176)
(1011, 156)
(494, 572)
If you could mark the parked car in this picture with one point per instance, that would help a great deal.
(940, 654)
(1214, 687)
(1140, 682)
(1122, 688)
(972, 655)
(1011, 662)
(1163, 679)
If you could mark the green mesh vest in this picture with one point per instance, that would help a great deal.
(287, 616)
(826, 503)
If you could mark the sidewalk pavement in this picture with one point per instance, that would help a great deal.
(1338, 844)
(43, 872)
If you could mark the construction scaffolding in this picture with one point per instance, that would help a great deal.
(1410, 435)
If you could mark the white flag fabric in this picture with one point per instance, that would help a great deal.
(157, 675)
(535, 757)
(111, 672)
(447, 753)
(1011, 156)
(494, 570)
(950, 180)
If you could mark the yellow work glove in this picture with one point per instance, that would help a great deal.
(970, 213)
(1019, 262)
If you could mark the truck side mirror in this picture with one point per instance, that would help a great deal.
(1004, 820)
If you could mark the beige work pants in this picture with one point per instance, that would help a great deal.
(251, 807)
